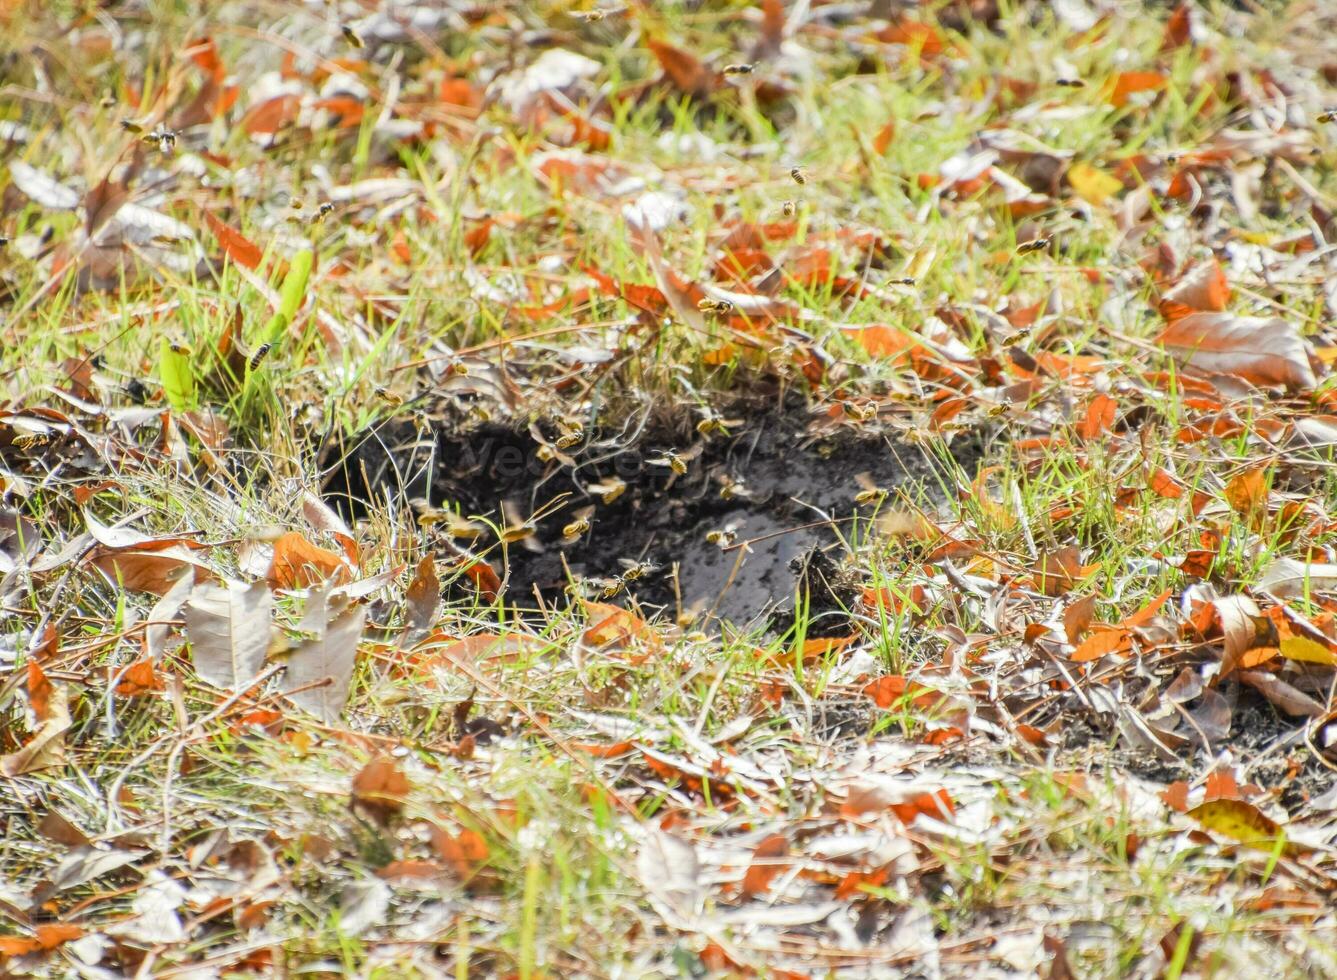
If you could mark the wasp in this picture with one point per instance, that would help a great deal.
(732, 489)
(799, 176)
(31, 439)
(596, 15)
(788, 209)
(518, 532)
(1034, 245)
(673, 461)
(350, 35)
(1327, 116)
(902, 281)
(872, 495)
(576, 528)
(635, 570)
(130, 126)
(568, 440)
(720, 306)
(324, 210)
(609, 490)
(259, 356)
(723, 536)
(715, 423)
(743, 69)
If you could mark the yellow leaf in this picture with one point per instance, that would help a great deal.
(1242, 822)
(1310, 651)
(1092, 184)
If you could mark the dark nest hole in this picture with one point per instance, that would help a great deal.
(798, 489)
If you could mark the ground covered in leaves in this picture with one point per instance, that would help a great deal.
(783, 489)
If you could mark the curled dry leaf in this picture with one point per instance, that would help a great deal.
(49, 718)
(424, 594)
(1286, 697)
(1203, 288)
(1261, 350)
(380, 788)
(298, 563)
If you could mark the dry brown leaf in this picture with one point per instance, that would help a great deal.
(49, 718)
(1236, 615)
(1261, 350)
(1286, 697)
(1240, 821)
(235, 245)
(155, 571)
(1203, 288)
(1103, 641)
(685, 70)
(1077, 617)
(380, 787)
(1247, 492)
(765, 866)
(1056, 572)
(298, 564)
(424, 595)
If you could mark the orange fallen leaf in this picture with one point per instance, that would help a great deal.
(45, 938)
(298, 564)
(1203, 288)
(465, 852)
(235, 245)
(764, 867)
(685, 70)
(1056, 572)
(380, 787)
(1247, 493)
(1099, 419)
(268, 117)
(139, 678)
(1129, 83)
(1103, 641)
(601, 751)
(894, 690)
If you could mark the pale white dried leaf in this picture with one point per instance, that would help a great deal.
(322, 667)
(155, 919)
(41, 188)
(229, 631)
(668, 868)
(1286, 578)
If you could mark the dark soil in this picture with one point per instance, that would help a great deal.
(793, 477)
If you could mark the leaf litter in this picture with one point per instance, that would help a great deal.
(739, 479)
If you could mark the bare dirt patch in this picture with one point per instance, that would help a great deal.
(756, 513)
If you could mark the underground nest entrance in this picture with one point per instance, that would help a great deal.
(730, 527)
